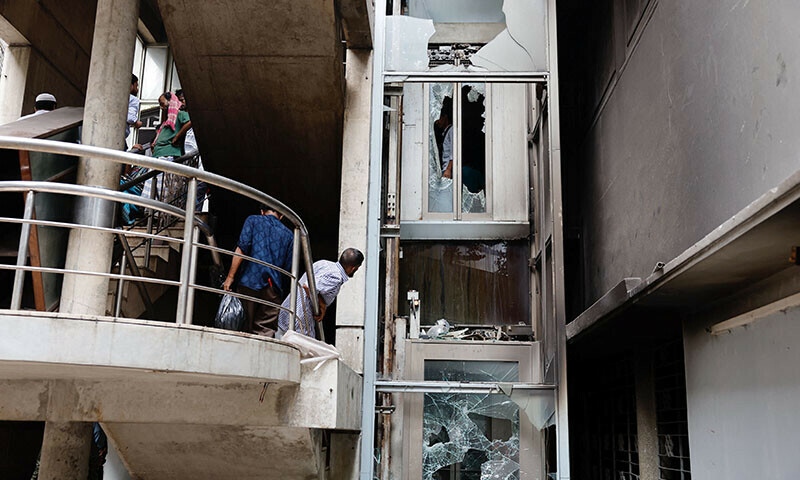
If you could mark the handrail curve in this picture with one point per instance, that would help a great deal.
(187, 284)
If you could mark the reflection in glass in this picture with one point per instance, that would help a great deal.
(440, 148)
(470, 436)
(473, 148)
(468, 283)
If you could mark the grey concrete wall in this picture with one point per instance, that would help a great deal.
(699, 118)
(743, 390)
(60, 33)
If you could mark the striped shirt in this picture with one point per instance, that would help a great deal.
(329, 277)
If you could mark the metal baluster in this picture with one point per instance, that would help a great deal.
(186, 254)
(22, 254)
(120, 282)
(296, 279)
(192, 276)
(150, 215)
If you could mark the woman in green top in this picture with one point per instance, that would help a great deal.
(170, 136)
(168, 143)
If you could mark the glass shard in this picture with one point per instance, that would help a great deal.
(407, 43)
(521, 46)
(440, 148)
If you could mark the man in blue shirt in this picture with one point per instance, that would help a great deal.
(265, 238)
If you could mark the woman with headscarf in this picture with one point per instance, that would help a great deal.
(168, 144)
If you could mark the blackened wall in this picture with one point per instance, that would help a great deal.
(677, 114)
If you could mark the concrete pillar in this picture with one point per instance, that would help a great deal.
(14, 72)
(12, 82)
(103, 126)
(344, 456)
(353, 216)
(646, 427)
(65, 451)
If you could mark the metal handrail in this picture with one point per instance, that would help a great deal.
(192, 225)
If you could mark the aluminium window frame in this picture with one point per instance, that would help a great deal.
(456, 214)
(525, 354)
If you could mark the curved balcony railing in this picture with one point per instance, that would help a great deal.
(192, 225)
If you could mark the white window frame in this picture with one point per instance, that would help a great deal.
(457, 213)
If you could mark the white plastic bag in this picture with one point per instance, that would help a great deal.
(311, 349)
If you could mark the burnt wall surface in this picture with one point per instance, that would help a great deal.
(677, 114)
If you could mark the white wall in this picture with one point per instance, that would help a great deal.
(743, 392)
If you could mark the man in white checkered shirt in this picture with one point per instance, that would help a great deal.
(329, 277)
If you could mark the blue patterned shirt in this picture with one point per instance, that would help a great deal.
(264, 237)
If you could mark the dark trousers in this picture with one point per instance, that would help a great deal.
(261, 319)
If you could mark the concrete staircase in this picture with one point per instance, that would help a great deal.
(165, 259)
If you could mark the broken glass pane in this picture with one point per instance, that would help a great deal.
(470, 436)
(407, 43)
(440, 148)
(473, 148)
(475, 35)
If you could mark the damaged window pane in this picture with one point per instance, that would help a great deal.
(440, 148)
(407, 43)
(469, 283)
(469, 35)
(473, 148)
(470, 436)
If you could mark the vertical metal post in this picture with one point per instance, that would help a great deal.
(295, 279)
(150, 215)
(192, 275)
(186, 253)
(120, 284)
(22, 254)
(372, 260)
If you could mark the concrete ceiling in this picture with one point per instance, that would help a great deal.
(264, 87)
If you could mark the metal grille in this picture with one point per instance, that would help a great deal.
(616, 435)
(671, 420)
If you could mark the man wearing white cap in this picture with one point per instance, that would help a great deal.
(45, 102)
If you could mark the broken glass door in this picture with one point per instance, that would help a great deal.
(470, 436)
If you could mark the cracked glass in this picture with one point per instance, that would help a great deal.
(440, 149)
(473, 148)
(470, 436)
(468, 35)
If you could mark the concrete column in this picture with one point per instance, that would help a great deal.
(344, 456)
(353, 216)
(646, 428)
(103, 126)
(12, 82)
(14, 72)
(65, 451)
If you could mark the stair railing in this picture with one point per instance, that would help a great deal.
(192, 225)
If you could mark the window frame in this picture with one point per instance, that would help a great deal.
(457, 214)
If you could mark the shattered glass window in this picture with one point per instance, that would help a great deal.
(468, 283)
(441, 149)
(468, 35)
(473, 148)
(470, 436)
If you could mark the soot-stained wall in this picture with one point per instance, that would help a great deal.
(677, 114)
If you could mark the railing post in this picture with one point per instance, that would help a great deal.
(148, 246)
(123, 263)
(192, 275)
(22, 254)
(186, 253)
(295, 280)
